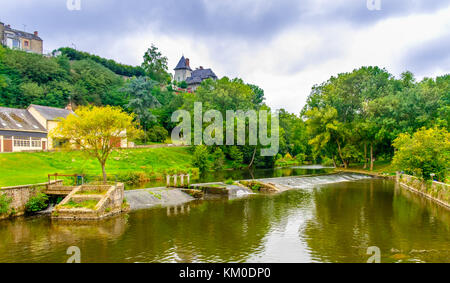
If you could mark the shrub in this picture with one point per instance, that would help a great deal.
(157, 134)
(219, 159)
(5, 201)
(37, 202)
(133, 178)
(200, 158)
(300, 158)
(229, 182)
(326, 161)
(425, 152)
(288, 157)
(237, 156)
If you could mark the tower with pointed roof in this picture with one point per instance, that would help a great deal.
(182, 70)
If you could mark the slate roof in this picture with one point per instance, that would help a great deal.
(200, 75)
(23, 34)
(182, 65)
(19, 120)
(52, 113)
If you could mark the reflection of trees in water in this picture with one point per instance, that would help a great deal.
(347, 218)
(352, 216)
(217, 230)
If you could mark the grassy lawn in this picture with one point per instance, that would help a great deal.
(379, 167)
(29, 168)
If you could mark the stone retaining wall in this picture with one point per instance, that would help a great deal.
(20, 195)
(437, 191)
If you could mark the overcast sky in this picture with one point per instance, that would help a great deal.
(284, 46)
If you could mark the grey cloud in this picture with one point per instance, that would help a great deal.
(244, 18)
(423, 59)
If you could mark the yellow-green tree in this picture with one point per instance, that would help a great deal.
(426, 152)
(96, 130)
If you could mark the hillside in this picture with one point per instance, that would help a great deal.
(27, 78)
(117, 68)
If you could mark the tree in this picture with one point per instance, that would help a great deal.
(200, 158)
(141, 100)
(155, 65)
(219, 158)
(95, 130)
(157, 134)
(426, 152)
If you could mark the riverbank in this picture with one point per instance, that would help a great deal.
(435, 191)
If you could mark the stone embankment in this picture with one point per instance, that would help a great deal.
(436, 191)
(20, 195)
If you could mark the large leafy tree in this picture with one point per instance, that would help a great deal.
(425, 152)
(141, 100)
(343, 104)
(96, 130)
(155, 65)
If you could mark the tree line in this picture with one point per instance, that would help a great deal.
(355, 117)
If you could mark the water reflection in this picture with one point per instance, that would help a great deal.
(349, 217)
(328, 223)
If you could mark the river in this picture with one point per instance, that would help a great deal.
(323, 222)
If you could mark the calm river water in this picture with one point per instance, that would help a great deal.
(334, 222)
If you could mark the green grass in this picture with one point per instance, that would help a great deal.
(92, 192)
(379, 167)
(90, 204)
(28, 168)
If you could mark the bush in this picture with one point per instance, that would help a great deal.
(5, 201)
(326, 161)
(37, 202)
(133, 178)
(425, 152)
(229, 182)
(219, 159)
(200, 158)
(157, 134)
(183, 85)
(236, 156)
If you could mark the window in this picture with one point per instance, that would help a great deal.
(21, 142)
(26, 43)
(16, 43)
(27, 142)
(36, 142)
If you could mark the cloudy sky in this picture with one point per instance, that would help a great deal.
(284, 46)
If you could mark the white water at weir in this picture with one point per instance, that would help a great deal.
(310, 182)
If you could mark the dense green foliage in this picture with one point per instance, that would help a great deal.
(424, 153)
(5, 201)
(37, 202)
(355, 117)
(27, 78)
(119, 69)
(200, 158)
(155, 65)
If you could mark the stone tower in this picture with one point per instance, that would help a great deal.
(182, 70)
